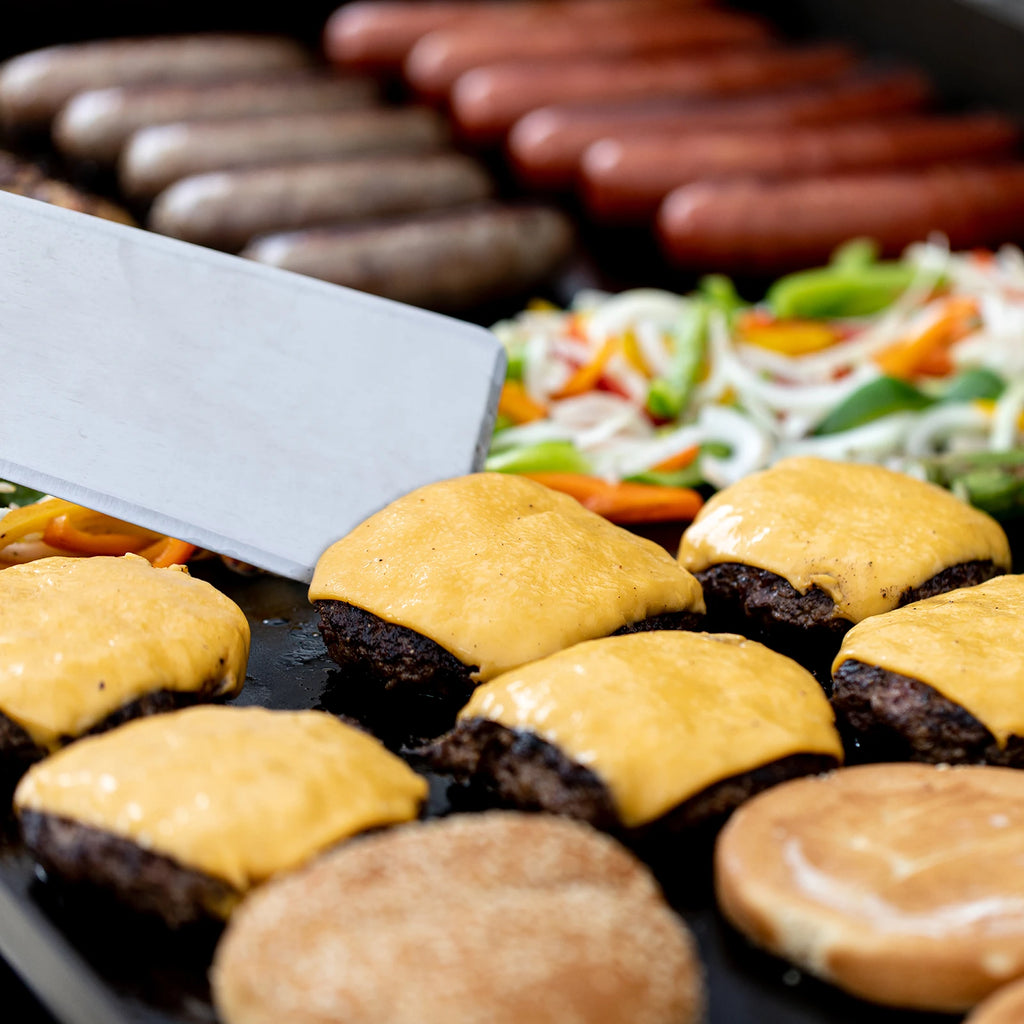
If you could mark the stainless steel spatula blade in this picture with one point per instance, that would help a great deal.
(252, 411)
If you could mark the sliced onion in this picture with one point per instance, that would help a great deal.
(933, 427)
(873, 441)
(751, 447)
(632, 307)
(1006, 417)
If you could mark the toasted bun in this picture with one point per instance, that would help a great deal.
(900, 883)
(1005, 1006)
(497, 917)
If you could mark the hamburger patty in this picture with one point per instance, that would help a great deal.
(18, 749)
(400, 660)
(515, 768)
(763, 606)
(886, 716)
(146, 881)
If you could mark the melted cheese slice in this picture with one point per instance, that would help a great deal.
(861, 533)
(500, 570)
(237, 793)
(661, 716)
(967, 644)
(81, 637)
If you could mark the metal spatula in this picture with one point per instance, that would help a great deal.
(249, 410)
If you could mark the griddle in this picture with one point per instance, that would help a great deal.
(91, 962)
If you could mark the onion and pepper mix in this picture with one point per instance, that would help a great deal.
(639, 404)
(633, 401)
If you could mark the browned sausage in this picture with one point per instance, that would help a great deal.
(747, 226)
(155, 157)
(450, 262)
(547, 144)
(376, 35)
(35, 85)
(437, 60)
(624, 179)
(95, 124)
(225, 209)
(487, 101)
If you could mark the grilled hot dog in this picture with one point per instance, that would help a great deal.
(438, 58)
(547, 144)
(767, 227)
(487, 101)
(376, 35)
(625, 179)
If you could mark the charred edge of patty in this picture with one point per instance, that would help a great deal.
(19, 750)
(400, 660)
(516, 768)
(887, 716)
(763, 606)
(145, 881)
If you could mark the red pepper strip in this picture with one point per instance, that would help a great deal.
(625, 502)
(59, 533)
(168, 551)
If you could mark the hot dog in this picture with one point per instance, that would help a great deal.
(438, 58)
(624, 179)
(94, 125)
(376, 35)
(487, 101)
(547, 144)
(35, 85)
(224, 209)
(766, 227)
(450, 262)
(155, 157)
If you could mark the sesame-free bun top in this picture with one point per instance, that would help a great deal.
(500, 570)
(235, 793)
(660, 716)
(1004, 1006)
(863, 534)
(967, 644)
(82, 637)
(500, 917)
(900, 883)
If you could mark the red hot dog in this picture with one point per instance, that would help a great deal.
(625, 179)
(547, 144)
(747, 226)
(487, 101)
(438, 58)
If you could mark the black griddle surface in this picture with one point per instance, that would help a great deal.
(93, 963)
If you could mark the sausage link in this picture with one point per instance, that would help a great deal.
(155, 157)
(449, 262)
(547, 145)
(225, 209)
(625, 179)
(487, 101)
(35, 85)
(747, 226)
(377, 35)
(95, 124)
(438, 58)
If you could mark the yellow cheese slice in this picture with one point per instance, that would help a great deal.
(500, 570)
(660, 716)
(81, 637)
(861, 533)
(967, 644)
(236, 793)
